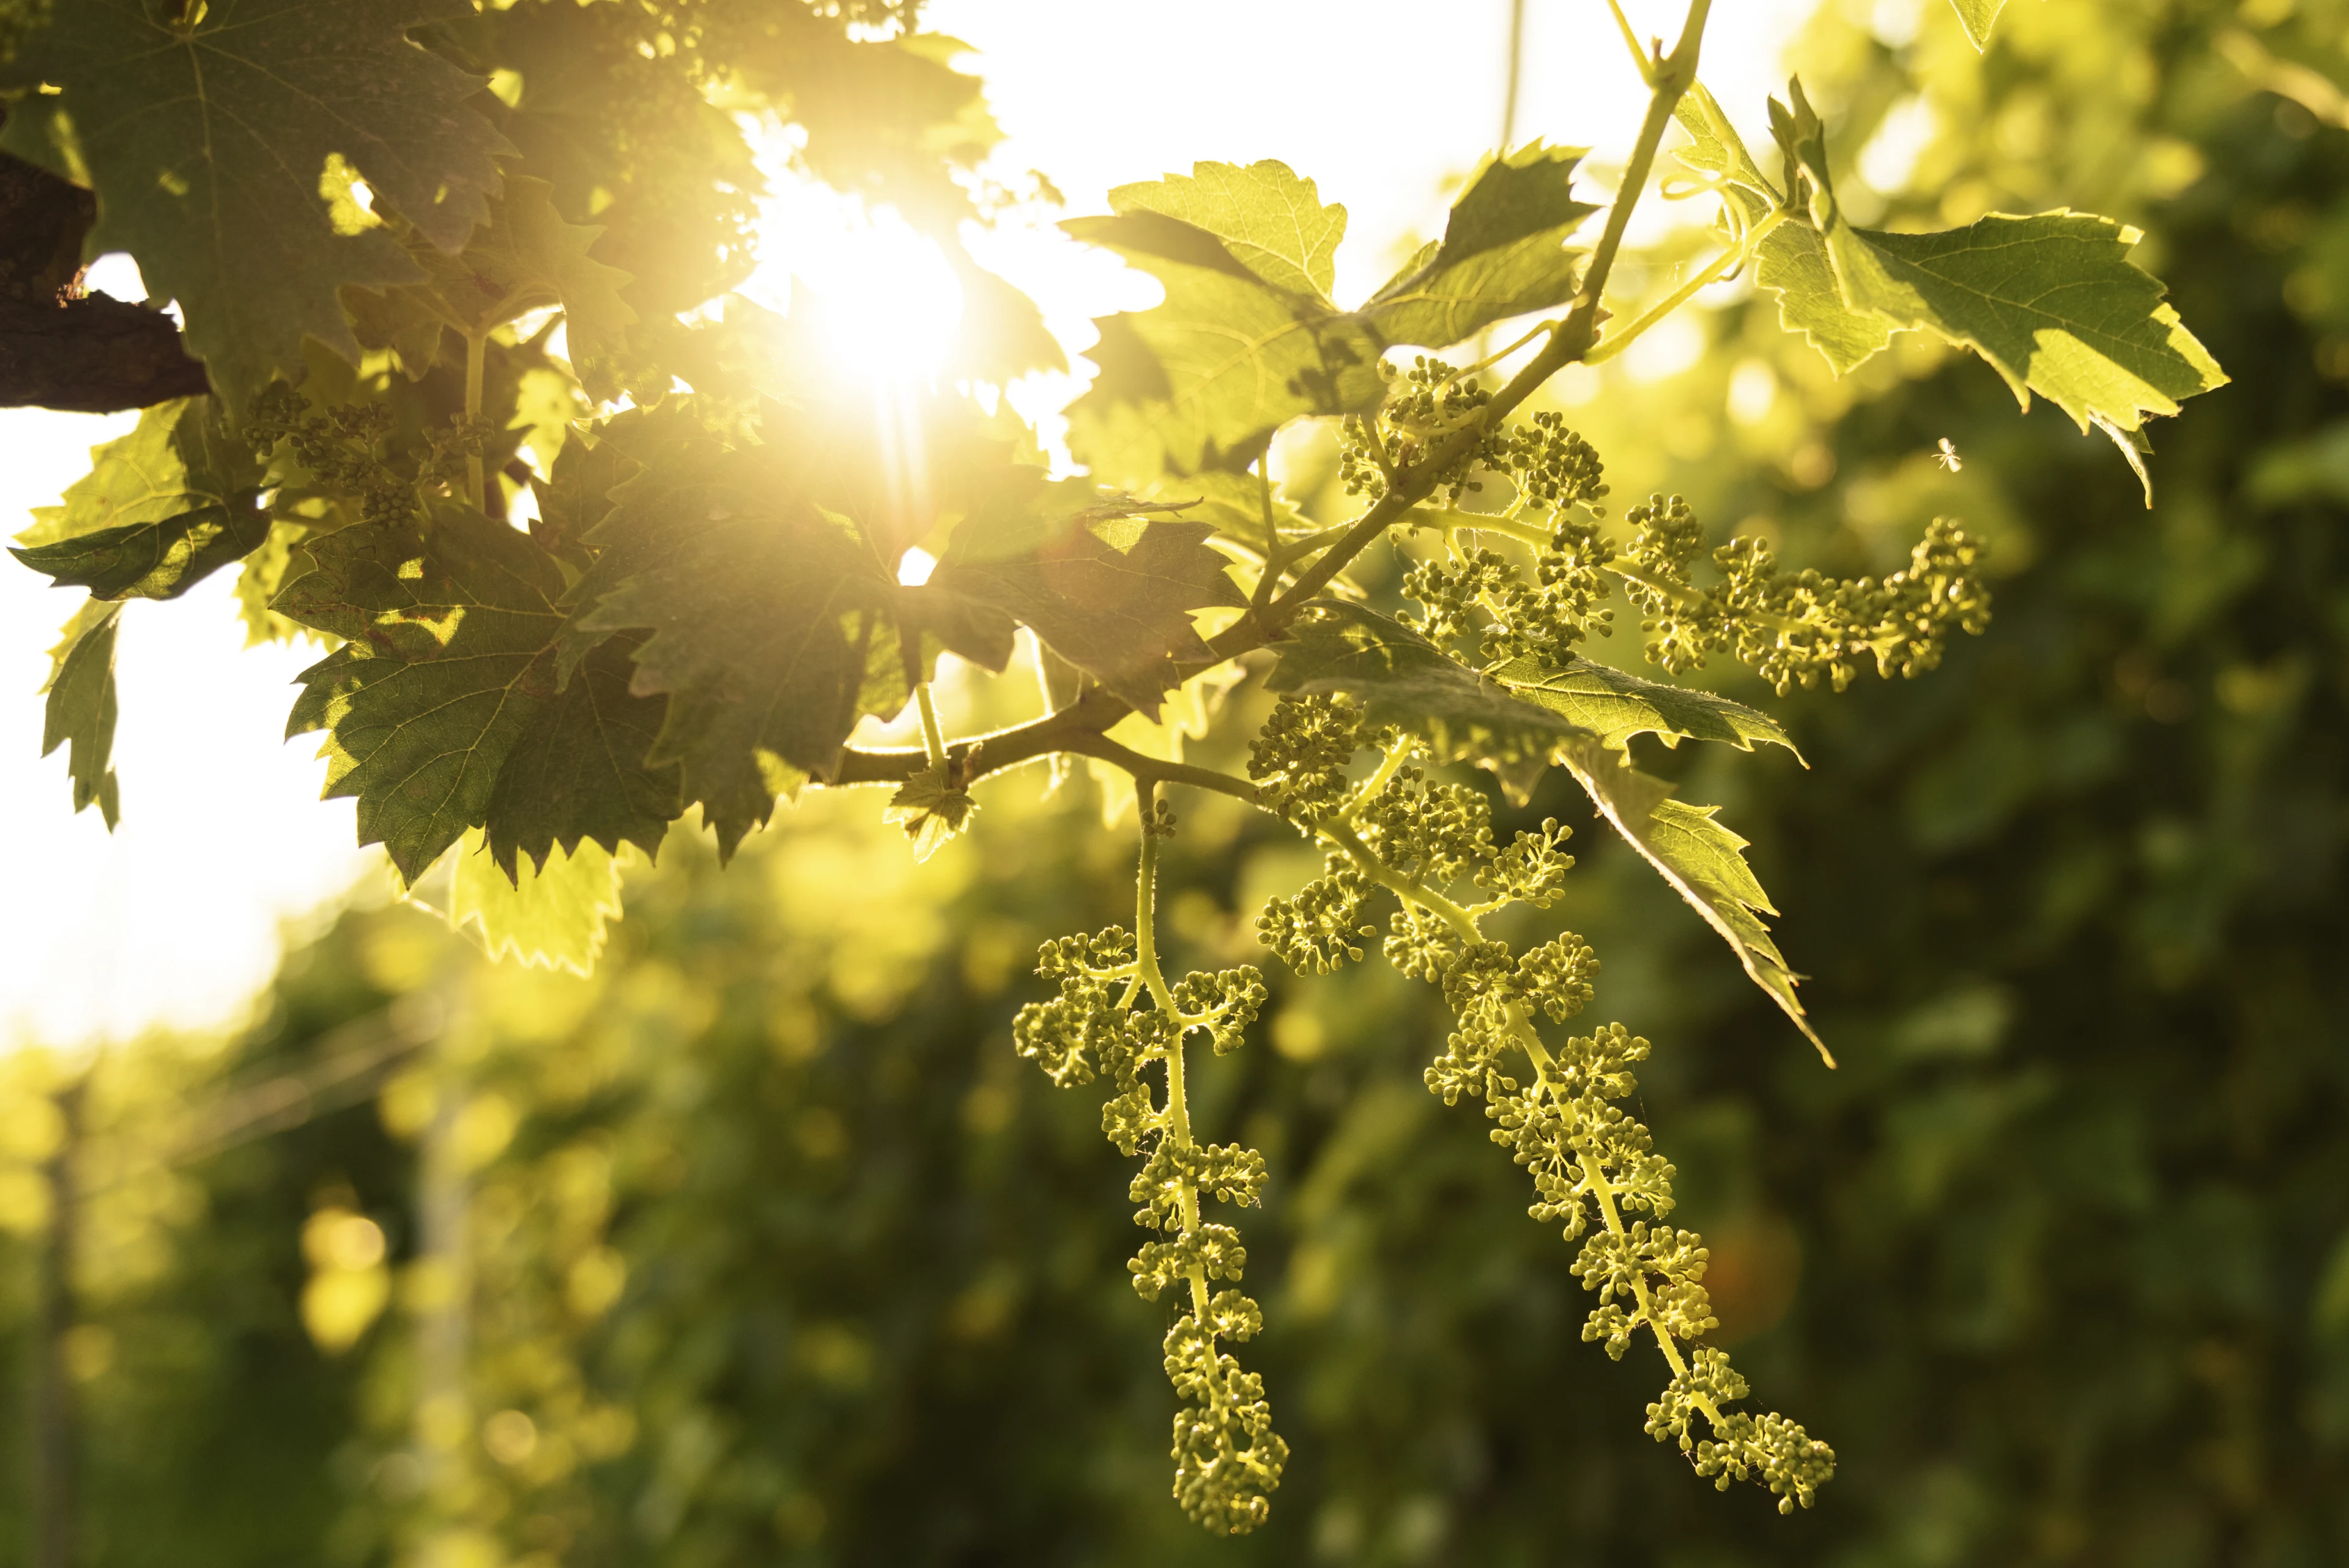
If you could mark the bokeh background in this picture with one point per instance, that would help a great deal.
(761, 1246)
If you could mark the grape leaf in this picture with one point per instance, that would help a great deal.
(1104, 585)
(577, 776)
(2052, 301)
(1977, 16)
(1615, 705)
(1247, 338)
(523, 257)
(81, 707)
(443, 709)
(445, 669)
(1792, 263)
(160, 509)
(1701, 861)
(1270, 220)
(1716, 148)
(1227, 358)
(1401, 678)
(207, 142)
(774, 627)
(551, 917)
(1503, 252)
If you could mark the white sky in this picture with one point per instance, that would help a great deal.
(175, 918)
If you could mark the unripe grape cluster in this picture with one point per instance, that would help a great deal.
(345, 450)
(1227, 1458)
(1790, 627)
(1594, 1165)
(1795, 627)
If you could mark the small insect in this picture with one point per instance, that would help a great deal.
(1948, 456)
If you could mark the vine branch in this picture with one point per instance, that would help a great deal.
(1077, 728)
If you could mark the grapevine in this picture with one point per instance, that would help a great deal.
(567, 596)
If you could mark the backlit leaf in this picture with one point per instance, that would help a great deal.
(1978, 16)
(774, 626)
(1792, 263)
(1701, 861)
(207, 142)
(1106, 588)
(1226, 359)
(160, 509)
(525, 257)
(1273, 222)
(2052, 301)
(552, 916)
(449, 663)
(80, 713)
(1615, 705)
(578, 775)
(1503, 253)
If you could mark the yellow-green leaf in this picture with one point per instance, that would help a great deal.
(552, 916)
(1699, 859)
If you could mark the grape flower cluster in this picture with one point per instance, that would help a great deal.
(1227, 1458)
(1557, 1108)
(1789, 627)
(345, 451)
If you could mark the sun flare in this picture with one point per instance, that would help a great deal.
(882, 294)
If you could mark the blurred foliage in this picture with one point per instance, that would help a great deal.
(762, 1247)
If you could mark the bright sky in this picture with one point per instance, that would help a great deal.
(174, 918)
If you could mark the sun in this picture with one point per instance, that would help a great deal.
(882, 294)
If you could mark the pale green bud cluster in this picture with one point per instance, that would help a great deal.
(1227, 1458)
(1594, 1169)
(1425, 403)
(345, 453)
(1797, 627)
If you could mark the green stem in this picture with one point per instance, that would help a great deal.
(1571, 342)
(1407, 889)
(1450, 520)
(1146, 943)
(1728, 261)
(934, 740)
(1153, 770)
(1631, 42)
(1388, 765)
(476, 354)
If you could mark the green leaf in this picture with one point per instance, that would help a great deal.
(1792, 263)
(81, 709)
(1503, 252)
(2052, 301)
(526, 256)
(1270, 220)
(1716, 148)
(1104, 585)
(551, 918)
(1001, 335)
(1227, 359)
(1615, 705)
(1248, 340)
(774, 627)
(1701, 861)
(160, 509)
(1977, 16)
(1402, 678)
(931, 808)
(579, 771)
(207, 142)
(449, 664)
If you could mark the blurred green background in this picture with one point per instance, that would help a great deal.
(762, 1247)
